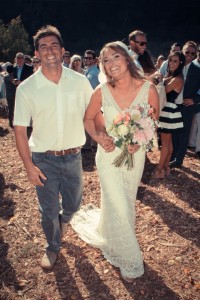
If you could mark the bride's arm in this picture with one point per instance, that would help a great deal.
(153, 100)
(94, 122)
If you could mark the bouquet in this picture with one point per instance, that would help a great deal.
(134, 125)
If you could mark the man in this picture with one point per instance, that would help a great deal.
(163, 69)
(55, 98)
(10, 93)
(92, 73)
(21, 70)
(91, 70)
(194, 141)
(138, 45)
(66, 59)
(190, 103)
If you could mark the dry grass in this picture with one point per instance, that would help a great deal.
(167, 228)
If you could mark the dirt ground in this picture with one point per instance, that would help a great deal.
(168, 230)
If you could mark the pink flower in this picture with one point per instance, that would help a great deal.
(118, 119)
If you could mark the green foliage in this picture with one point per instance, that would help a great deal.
(14, 38)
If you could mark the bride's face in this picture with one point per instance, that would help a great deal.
(115, 64)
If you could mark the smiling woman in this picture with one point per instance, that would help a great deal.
(112, 227)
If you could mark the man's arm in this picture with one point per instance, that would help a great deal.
(34, 174)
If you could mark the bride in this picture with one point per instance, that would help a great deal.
(111, 228)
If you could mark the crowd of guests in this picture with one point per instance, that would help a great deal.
(174, 140)
(174, 143)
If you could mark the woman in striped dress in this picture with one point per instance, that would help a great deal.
(170, 116)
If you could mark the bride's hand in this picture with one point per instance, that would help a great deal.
(133, 148)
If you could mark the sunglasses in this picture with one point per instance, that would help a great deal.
(189, 52)
(87, 57)
(77, 60)
(36, 62)
(141, 43)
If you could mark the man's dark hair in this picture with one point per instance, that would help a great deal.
(176, 45)
(10, 69)
(90, 52)
(45, 31)
(135, 33)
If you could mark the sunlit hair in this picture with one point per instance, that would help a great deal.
(73, 59)
(45, 31)
(178, 71)
(121, 48)
(190, 44)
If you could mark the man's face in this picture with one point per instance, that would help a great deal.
(198, 54)
(88, 60)
(49, 51)
(66, 58)
(20, 60)
(189, 53)
(175, 48)
(139, 45)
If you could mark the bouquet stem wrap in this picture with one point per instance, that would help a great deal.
(124, 158)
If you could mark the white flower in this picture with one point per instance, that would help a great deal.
(135, 115)
(122, 130)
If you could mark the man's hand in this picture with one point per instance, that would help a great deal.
(106, 142)
(35, 175)
(188, 102)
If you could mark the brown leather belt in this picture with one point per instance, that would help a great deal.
(64, 152)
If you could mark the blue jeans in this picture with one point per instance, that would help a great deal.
(64, 177)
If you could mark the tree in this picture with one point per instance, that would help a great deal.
(14, 38)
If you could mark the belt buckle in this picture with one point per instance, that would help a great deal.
(62, 151)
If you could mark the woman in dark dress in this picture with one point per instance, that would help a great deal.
(170, 116)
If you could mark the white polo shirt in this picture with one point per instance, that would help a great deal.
(56, 110)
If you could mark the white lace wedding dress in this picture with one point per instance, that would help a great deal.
(112, 227)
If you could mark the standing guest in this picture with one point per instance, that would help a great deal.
(112, 228)
(170, 118)
(76, 64)
(138, 45)
(188, 104)
(91, 70)
(159, 62)
(92, 73)
(163, 68)
(194, 141)
(10, 93)
(66, 59)
(21, 70)
(36, 63)
(147, 64)
(28, 60)
(1, 83)
(55, 98)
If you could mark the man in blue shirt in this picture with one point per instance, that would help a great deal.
(91, 72)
